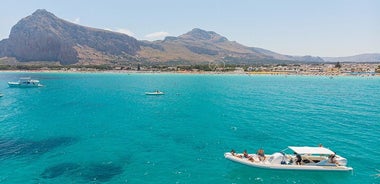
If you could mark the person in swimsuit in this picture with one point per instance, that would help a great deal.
(233, 153)
(332, 159)
(245, 155)
(261, 154)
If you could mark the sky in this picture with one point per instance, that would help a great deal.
(326, 28)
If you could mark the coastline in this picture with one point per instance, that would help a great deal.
(323, 74)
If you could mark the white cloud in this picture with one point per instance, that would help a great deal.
(157, 35)
(77, 20)
(121, 30)
(125, 31)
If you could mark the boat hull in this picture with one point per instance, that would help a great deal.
(267, 165)
(154, 93)
(19, 85)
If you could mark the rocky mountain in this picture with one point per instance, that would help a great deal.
(204, 46)
(44, 37)
(375, 57)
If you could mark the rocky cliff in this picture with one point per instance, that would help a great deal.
(44, 37)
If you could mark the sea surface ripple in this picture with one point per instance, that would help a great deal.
(102, 128)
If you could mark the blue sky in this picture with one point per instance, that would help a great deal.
(294, 27)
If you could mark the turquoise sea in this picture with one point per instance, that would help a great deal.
(102, 128)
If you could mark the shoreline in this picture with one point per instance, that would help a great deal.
(322, 74)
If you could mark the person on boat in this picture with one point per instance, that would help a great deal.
(233, 153)
(261, 154)
(246, 155)
(332, 159)
(298, 158)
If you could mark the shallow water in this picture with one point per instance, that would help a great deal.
(102, 128)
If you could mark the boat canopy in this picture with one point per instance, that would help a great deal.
(311, 150)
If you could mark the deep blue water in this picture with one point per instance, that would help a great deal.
(102, 128)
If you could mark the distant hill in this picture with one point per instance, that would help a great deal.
(199, 46)
(288, 57)
(204, 46)
(375, 57)
(44, 37)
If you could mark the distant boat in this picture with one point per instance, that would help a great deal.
(155, 93)
(1, 95)
(25, 82)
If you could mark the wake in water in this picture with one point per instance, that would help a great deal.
(378, 174)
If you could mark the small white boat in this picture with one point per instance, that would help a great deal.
(25, 82)
(1, 95)
(155, 93)
(303, 158)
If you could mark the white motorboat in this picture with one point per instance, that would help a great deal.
(303, 158)
(155, 93)
(25, 82)
(1, 95)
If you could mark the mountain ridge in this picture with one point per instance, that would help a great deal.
(367, 57)
(42, 36)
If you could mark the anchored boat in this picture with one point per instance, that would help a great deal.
(303, 158)
(155, 93)
(25, 82)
